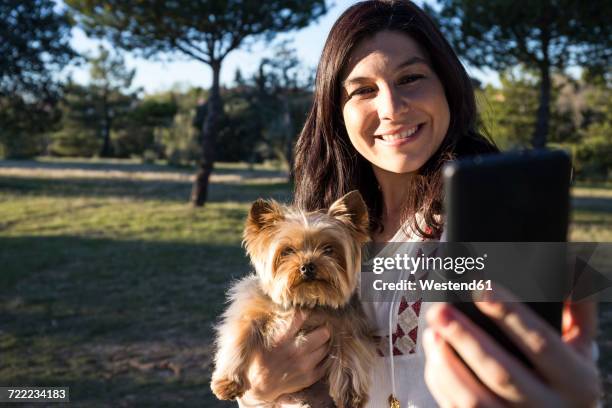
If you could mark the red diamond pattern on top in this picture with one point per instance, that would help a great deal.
(405, 336)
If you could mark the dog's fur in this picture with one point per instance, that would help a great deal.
(303, 260)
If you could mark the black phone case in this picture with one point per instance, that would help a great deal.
(512, 197)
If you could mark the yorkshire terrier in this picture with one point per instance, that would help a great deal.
(302, 260)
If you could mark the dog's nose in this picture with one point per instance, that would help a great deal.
(308, 271)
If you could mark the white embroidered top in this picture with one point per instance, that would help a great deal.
(404, 321)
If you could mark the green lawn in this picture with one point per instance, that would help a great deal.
(110, 282)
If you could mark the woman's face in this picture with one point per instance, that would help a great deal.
(393, 103)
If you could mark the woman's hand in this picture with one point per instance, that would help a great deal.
(564, 374)
(292, 364)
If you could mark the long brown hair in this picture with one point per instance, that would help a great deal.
(327, 165)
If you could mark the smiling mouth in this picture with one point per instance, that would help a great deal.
(401, 135)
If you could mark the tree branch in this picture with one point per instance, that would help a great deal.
(184, 49)
(522, 45)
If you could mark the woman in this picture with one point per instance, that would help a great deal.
(392, 104)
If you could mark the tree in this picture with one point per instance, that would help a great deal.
(594, 154)
(544, 35)
(34, 47)
(34, 44)
(137, 131)
(509, 112)
(79, 127)
(110, 80)
(206, 31)
(92, 112)
(291, 86)
(264, 112)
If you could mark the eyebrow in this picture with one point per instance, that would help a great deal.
(408, 62)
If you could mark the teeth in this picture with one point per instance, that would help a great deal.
(401, 135)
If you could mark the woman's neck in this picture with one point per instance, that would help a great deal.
(394, 188)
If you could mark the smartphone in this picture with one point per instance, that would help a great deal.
(509, 197)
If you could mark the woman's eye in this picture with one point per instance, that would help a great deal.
(362, 91)
(408, 79)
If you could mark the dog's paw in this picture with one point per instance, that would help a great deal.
(226, 389)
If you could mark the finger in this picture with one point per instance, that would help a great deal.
(542, 345)
(307, 370)
(435, 376)
(312, 340)
(450, 381)
(300, 381)
(316, 357)
(319, 371)
(293, 327)
(494, 366)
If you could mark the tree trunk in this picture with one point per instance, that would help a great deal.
(199, 192)
(541, 130)
(107, 150)
(289, 135)
(106, 145)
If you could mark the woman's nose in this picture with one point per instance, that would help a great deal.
(390, 103)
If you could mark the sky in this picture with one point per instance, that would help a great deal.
(157, 76)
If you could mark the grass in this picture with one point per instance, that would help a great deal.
(110, 282)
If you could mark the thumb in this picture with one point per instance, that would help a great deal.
(580, 325)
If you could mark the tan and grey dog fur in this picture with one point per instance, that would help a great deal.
(302, 260)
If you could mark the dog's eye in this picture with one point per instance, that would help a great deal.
(328, 250)
(287, 251)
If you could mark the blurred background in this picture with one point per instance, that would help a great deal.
(135, 134)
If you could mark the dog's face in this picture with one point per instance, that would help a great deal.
(308, 258)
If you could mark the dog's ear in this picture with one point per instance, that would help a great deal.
(262, 214)
(351, 209)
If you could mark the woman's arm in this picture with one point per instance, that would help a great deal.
(292, 364)
(564, 373)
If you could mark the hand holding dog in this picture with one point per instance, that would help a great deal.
(303, 261)
(294, 363)
(565, 376)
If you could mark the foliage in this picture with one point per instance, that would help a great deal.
(500, 33)
(594, 155)
(509, 112)
(34, 47)
(110, 80)
(598, 113)
(136, 133)
(593, 158)
(78, 134)
(205, 31)
(266, 112)
(94, 113)
(34, 44)
(240, 129)
(24, 126)
(581, 119)
(178, 141)
(544, 36)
